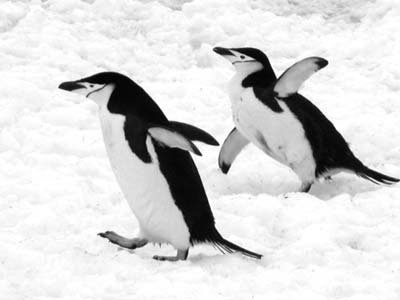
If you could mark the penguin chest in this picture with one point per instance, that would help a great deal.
(144, 186)
(279, 134)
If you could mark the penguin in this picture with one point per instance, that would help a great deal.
(270, 113)
(150, 158)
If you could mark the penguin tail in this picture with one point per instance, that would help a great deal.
(375, 176)
(226, 246)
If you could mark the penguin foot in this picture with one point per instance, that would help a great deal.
(305, 187)
(122, 241)
(181, 255)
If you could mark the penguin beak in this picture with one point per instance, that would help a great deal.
(71, 86)
(223, 51)
(75, 87)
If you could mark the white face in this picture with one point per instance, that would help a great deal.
(243, 63)
(99, 93)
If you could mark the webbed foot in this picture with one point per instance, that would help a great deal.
(181, 255)
(122, 241)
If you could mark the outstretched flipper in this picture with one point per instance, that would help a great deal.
(233, 144)
(173, 139)
(194, 133)
(291, 80)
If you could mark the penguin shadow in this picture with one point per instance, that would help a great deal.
(343, 184)
(273, 186)
(206, 257)
(210, 260)
(250, 184)
(122, 249)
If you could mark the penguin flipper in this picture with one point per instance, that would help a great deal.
(136, 135)
(232, 146)
(194, 133)
(291, 80)
(171, 138)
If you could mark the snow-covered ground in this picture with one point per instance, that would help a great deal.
(57, 191)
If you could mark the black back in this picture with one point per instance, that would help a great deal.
(329, 148)
(177, 166)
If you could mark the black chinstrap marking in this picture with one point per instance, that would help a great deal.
(99, 89)
(243, 61)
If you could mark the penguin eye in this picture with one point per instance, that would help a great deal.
(242, 56)
(91, 85)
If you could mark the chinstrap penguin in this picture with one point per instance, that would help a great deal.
(149, 156)
(270, 113)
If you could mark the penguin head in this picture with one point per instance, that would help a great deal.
(118, 93)
(98, 87)
(246, 60)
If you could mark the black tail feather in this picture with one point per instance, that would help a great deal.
(226, 246)
(375, 176)
(230, 247)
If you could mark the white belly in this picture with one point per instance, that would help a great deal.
(143, 186)
(283, 136)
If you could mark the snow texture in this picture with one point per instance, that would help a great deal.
(57, 190)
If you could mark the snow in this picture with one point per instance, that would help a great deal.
(340, 241)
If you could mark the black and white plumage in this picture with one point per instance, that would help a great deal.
(270, 113)
(150, 159)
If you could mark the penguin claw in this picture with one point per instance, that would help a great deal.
(104, 234)
(289, 194)
(111, 236)
(180, 255)
(165, 258)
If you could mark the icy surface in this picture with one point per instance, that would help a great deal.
(57, 191)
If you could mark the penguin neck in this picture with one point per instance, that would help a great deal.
(131, 99)
(262, 78)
